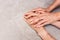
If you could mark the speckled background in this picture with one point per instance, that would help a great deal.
(12, 25)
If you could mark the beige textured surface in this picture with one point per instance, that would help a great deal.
(13, 27)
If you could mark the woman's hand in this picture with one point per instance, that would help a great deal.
(33, 17)
(47, 19)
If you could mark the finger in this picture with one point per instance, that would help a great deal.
(32, 26)
(36, 10)
(26, 21)
(39, 23)
(33, 11)
(42, 13)
(35, 21)
(31, 19)
(39, 9)
(27, 14)
(42, 21)
(30, 15)
(45, 23)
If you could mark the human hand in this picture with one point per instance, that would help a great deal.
(33, 17)
(47, 19)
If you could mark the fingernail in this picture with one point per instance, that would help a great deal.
(34, 11)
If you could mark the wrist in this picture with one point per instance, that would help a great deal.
(42, 33)
(42, 29)
(45, 35)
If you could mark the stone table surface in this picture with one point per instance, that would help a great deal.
(12, 25)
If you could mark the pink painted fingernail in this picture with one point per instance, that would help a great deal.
(34, 11)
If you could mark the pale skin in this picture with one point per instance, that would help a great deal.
(41, 30)
(50, 8)
(54, 21)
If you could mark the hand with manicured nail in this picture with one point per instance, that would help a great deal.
(33, 19)
(40, 18)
